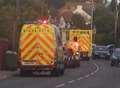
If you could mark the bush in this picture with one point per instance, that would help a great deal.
(104, 38)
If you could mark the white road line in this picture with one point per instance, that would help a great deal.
(87, 76)
(96, 67)
(71, 81)
(80, 78)
(60, 85)
(95, 71)
(92, 73)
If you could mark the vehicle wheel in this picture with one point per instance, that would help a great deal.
(94, 57)
(75, 61)
(56, 72)
(117, 63)
(112, 63)
(65, 62)
(62, 72)
(53, 73)
(78, 64)
(25, 73)
(87, 58)
(22, 73)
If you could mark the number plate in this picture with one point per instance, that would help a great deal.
(29, 62)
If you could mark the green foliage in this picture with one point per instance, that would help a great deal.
(113, 5)
(104, 38)
(34, 9)
(78, 21)
(7, 17)
(104, 21)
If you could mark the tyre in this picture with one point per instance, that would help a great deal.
(54, 73)
(57, 72)
(68, 62)
(88, 58)
(77, 63)
(112, 63)
(25, 73)
(117, 63)
(94, 57)
(62, 72)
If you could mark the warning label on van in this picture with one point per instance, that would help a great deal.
(84, 39)
(36, 28)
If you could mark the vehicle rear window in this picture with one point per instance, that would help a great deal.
(100, 48)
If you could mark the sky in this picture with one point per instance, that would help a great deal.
(111, 0)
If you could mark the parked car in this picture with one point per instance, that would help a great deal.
(101, 51)
(115, 58)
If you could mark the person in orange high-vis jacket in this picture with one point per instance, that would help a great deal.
(74, 45)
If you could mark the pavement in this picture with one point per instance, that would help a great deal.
(6, 74)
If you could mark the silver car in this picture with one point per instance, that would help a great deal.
(100, 51)
(115, 58)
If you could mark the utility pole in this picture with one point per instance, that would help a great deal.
(16, 23)
(116, 22)
(92, 14)
(48, 7)
(92, 20)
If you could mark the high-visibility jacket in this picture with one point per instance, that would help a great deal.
(74, 46)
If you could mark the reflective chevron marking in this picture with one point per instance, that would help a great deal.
(38, 44)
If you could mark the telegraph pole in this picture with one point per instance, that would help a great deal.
(116, 22)
(14, 37)
(92, 14)
(92, 20)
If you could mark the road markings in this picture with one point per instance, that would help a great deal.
(87, 76)
(71, 81)
(97, 68)
(80, 78)
(60, 85)
(92, 73)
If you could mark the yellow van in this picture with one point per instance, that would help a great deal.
(40, 49)
(84, 38)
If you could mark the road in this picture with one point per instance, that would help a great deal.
(92, 74)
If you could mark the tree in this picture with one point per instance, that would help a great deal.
(78, 21)
(113, 5)
(104, 21)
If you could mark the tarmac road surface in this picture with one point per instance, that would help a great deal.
(91, 74)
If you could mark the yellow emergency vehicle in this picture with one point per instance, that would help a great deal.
(84, 38)
(40, 49)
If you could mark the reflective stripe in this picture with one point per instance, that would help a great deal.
(84, 38)
(38, 45)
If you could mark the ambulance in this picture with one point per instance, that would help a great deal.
(84, 39)
(40, 49)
